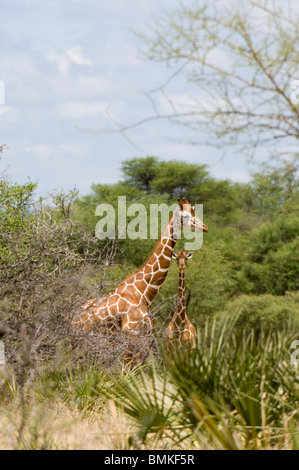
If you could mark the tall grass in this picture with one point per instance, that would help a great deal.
(236, 390)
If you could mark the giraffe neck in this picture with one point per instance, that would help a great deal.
(181, 302)
(153, 272)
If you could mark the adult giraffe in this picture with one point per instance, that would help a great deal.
(128, 306)
(180, 330)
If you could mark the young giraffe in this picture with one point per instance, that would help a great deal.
(128, 306)
(180, 330)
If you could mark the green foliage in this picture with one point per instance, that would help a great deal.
(15, 200)
(173, 178)
(264, 312)
(178, 178)
(272, 188)
(229, 393)
(272, 259)
(34, 236)
(102, 194)
(140, 172)
(78, 387)
(15, 213)
(220, 200)
(145, 398)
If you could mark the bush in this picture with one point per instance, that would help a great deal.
(264, 312)
(44, 265)
(271, 265)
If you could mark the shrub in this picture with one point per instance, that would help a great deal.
(264, 312)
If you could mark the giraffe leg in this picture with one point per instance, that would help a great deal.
(189, 335)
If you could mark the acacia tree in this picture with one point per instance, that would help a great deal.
(241, 58)
(140, 172)
(174, 178)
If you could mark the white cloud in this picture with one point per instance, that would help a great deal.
(74, 150)
(75, 109)
(62, 61)
(76, 56)
(65, 59)
(49, 153)
(42, 150)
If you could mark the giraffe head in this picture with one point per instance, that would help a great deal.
(188, 217)
(182, 258)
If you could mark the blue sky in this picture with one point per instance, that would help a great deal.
(64, 63)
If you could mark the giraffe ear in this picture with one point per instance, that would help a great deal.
(183, 201)
(174, 255)
(190, 254)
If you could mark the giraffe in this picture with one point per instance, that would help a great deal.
(127, 307)
(180, 330)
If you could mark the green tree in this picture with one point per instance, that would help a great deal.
(273, 187)
(220, 199)
(178, 178)
(272, 262)
(15, 212)
(173, 177)
(140, 172)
